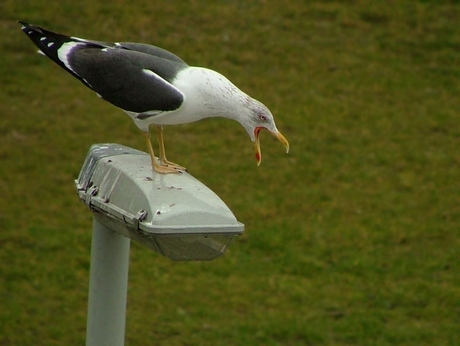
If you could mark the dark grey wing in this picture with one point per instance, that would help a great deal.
(152, 50)
(129, 77)
(130, 80)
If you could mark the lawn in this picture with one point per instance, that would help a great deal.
(351, 239)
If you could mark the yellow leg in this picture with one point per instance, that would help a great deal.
(162, 169)
(161, 144)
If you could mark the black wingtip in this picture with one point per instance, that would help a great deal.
(24, 24)
(29, 28)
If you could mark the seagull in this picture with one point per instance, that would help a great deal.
(154, 86)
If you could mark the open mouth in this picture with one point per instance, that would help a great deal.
(278, 135)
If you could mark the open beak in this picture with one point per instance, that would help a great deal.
(278, 135)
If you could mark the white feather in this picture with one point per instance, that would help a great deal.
(65, 51)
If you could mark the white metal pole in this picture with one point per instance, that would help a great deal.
(108, 284)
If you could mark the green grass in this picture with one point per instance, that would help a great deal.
(351, 239)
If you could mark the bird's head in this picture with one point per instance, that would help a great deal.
(260, 118)
(221, 98)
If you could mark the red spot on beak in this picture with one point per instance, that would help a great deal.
(257, 145)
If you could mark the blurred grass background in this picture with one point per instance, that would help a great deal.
(351, 239)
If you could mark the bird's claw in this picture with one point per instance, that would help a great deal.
(162, 169)
(170, 164)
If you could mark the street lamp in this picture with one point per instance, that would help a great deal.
(172, 214)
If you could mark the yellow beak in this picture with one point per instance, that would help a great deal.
(283, 140)
(278, 135)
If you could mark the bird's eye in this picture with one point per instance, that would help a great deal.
(262, 117)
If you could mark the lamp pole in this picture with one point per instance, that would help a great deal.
(108, 284)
